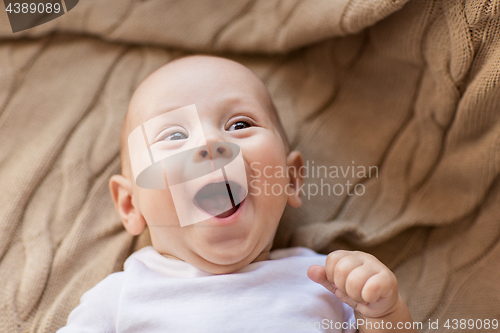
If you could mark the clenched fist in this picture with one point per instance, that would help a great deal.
(360, 280)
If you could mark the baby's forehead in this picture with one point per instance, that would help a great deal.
(185, 83)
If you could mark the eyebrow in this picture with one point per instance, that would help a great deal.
(163, 110)
(233, 99)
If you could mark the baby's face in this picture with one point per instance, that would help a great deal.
(233, 107)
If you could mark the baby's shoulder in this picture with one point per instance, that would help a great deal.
(109, 288)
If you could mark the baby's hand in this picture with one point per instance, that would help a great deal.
(360, 280)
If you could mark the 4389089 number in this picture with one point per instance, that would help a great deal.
(33, 8)
(471, 324)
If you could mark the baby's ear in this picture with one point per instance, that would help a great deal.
(294, 163)
(121, 192)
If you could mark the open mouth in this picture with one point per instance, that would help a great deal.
(218, 199)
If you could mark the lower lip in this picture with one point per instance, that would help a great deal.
(227, 220)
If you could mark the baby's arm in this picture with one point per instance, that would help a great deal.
(361, 281)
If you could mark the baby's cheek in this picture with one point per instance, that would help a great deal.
(267, 177)
(157, 207)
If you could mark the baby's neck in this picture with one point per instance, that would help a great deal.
(261, 257)
(171, 256)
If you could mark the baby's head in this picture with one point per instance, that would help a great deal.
(233, 107)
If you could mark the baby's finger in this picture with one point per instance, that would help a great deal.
(317, 274)
(345, 298)
(356, 281)
(331, 262)
(338, 273)
(333, 258)
(379, 285)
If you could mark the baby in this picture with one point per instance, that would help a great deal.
(210, 268)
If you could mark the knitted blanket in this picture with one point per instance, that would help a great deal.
(395, 105)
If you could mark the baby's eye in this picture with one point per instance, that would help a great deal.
(174, 133)
(176, 136)
(238, 125)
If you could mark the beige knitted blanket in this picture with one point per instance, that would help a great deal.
(406, 89)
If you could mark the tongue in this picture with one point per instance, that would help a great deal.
(215, 204)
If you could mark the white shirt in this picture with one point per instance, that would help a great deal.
(159, 294)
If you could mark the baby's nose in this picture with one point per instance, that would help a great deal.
(203, 153)
(221, 150)
(217, 150)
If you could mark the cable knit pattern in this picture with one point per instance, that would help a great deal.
(410, 87)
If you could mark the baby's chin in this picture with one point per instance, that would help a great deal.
(228, 262)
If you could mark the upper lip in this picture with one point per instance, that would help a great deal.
(216, 177)
(220, 188)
